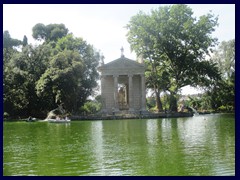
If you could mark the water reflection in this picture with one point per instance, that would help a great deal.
(200, 136)
(152, 131)
(201, 145)
(97, 146)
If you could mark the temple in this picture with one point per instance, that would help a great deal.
(123, 86)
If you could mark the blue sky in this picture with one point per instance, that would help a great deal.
(101, 25)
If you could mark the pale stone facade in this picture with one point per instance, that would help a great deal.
(123, 86)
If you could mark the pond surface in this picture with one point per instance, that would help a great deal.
(200, 145)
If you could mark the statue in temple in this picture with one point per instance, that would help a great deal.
(121, 96)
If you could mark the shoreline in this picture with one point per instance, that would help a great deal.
(120, 116)
(132, 116)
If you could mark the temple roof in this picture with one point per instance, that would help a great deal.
(122, 63)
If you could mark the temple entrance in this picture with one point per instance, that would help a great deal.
(123, 94)
(123, 97)
(123, 86)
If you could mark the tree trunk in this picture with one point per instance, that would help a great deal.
(158, 100)
(173, 102)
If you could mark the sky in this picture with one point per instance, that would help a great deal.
(102, 25)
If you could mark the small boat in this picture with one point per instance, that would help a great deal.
(30, 119)
(59, 120)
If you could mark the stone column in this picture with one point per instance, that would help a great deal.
(143, 93)
(116, 92)
(130, 92)
(102, 93)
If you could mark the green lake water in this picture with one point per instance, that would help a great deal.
(196, 146)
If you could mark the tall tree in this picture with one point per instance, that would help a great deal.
(60, 81)
(71, 75)
(51, 32)
(25, 41)
(9, 42)
(222, 93)
(20, 76)
(224, 56)
(37, 78)
(9, 46)
(171, 38)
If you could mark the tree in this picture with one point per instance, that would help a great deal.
(155, 73)
(20, 75)
(90, 58)
(92, 106)
(51, 32)
(38, 78)
(9, 42)
(59, 83)
(25, 41)
(9, 46)
(175, 43)
(224, 56)
(71, 75)
(11, 96)
(222, 93)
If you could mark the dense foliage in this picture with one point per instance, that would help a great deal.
(174, 45)
(222, 93)
(219, 96)
(38, 78)
(51, 32)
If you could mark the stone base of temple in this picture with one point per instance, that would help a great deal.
(124, 112)
(131, 115)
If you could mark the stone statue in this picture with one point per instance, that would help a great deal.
(59, 111)
(121, 96)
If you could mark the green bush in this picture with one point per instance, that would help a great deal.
(91, 107)
(5, 115)
(225, 108)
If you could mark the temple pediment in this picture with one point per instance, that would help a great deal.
(123, 64)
